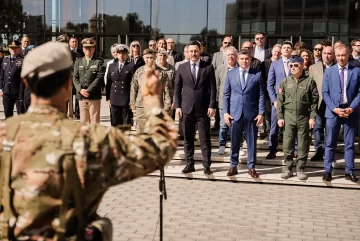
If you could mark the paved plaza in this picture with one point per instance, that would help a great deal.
(219, 208)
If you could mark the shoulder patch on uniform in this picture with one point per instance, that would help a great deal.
(280, 90)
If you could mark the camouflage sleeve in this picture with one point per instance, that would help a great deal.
(134, 88)
(314, 99)
(76, 80)
(280, 100)
(113, 157)
(168, 92)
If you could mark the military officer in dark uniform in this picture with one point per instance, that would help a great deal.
(118, 87)
(88, 79)
(10, 80)
(297, 102)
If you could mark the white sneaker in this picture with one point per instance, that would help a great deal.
(221, 150)
(242, 153)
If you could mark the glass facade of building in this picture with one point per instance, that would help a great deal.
(111, 21)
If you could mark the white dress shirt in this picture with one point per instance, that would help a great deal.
(196, 67)
(259, 53)
(107, 69)
(345, 101)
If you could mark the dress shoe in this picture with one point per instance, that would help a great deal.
(317, 157)
(207, 171)
(221, 150)
(252, 173)
(327, 177)
(232, 172)
(271, 155)
(351, 177)
(188, 169)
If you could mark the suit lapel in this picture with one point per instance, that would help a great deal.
(247, 79)
(200, 72)
(350, 69)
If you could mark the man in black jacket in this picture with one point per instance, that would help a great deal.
(195, 102)
(118, 86)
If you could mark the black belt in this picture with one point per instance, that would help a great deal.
(344, 106)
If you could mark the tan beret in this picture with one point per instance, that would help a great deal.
(47, 59)
(63, 38)
(88, 42)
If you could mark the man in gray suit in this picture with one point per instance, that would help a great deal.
(220, 77)
(219, 57)
(316, 71)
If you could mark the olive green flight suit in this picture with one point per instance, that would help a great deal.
(297, 102)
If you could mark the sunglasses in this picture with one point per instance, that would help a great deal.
(294, 65)
(227, 42)
(261, 38)
(317, 49)
(136, 45)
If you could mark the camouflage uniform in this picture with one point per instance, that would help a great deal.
(137, 101)
(102, 156)
(169, 75)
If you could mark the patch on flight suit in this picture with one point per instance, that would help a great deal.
(280, 90)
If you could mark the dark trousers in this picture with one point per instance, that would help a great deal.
(9, 101)
(217, 118)
(189, 127)
(319, 129)
(120, 115)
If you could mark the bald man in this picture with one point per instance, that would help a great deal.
(171, 50)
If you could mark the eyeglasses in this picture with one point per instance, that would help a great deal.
(227, 42)
(294, 65)
(261, 38)
(136, 45)
(317, 49)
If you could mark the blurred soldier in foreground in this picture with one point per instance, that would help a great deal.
(54, 171)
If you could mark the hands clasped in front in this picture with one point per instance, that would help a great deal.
(343, 113)
(227, 118)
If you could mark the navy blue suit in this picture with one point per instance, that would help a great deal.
(331, 96)
(275, 77)
(243, 104)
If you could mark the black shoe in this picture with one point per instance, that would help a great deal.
(317, 157)
(351, 177)
(327, 177)
(271, 155)
(188, 169)
(207, 171)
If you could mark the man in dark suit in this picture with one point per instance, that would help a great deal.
(265, 67)
(10, 80)
(25, 42)
(341, 94)
(195, 102)
(118, 87)
(170, 45)
(204, 56)
(278, 71)
(261, 51)
(244, 109)
(248, 46)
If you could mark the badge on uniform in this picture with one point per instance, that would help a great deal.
(280, 90)
(18, 64)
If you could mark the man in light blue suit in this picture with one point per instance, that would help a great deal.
(277, 73)
(341, 94)
(244, 108)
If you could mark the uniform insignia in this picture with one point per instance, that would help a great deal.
(280, 90)
(93, 66)
(88, 41)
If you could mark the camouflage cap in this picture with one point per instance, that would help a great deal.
(149, 51)
(122, 47)
(14, 44)
(47, 59)
(63, 38)
(163, 51)
(88, 42)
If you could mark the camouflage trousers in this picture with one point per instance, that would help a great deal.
(140, 120)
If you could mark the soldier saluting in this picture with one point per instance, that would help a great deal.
(55, 171)
(10, 80)
(88, 81)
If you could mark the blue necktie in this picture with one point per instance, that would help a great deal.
(342, 84)
(243, 79)
(193, 71)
